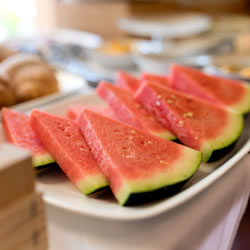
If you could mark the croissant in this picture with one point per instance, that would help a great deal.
(7, 94)
(29, 76)
(5, 52)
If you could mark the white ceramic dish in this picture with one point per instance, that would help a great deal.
(169, 26)
(59, 192)
(115, 61)
(216, 62)
(76, 37)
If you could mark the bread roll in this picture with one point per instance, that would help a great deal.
(30, 76)
(7, 94)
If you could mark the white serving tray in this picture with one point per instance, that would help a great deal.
(60, 192)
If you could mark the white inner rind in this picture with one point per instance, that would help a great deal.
(243, 106)
(92, 183)
(229, 134)
(181, 170)
(165, 135)
(42, 159)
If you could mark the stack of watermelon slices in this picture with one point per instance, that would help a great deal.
(204, 112)
(118, 146)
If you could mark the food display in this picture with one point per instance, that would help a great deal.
(135, 162)
(225, 92)
(127, 81)
(121, 146)
(19, 132)
(113, 55)
(29, 76)
(116, 47)
(127, 110)
(74, 110)
(160, 79)
(195, 123)
(242, 71)
(25, 77)
(62, 137)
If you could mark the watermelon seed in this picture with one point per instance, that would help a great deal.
(163, 162)
(137, 106)
(169, 101)
(157, 103)
(132, 131)
(149, 142)
(188, 114)
(173, 96)
(181, 123)
(159, 96)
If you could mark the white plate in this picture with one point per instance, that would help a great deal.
(58, 190)
(75, 37)
(242, 61)
(179, 25)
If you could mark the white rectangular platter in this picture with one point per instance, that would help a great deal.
(60, 192)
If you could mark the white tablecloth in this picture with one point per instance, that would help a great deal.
(207, 222)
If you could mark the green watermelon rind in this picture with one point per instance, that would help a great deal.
(229, 135)
(42, 159)
(91, 184)
(243, 106)
(161, 180)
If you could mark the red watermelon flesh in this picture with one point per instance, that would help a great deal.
(160, 79)
(134, 161)
(64, 140)
(197, 124)
(18, 131)
(229, 93)
(75, 109)
(127, 110)
(127, 81)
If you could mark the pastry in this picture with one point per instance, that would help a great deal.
(5, 52)
(7, 94)
(30, 76)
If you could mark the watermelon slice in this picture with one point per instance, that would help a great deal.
(127, 81)
(19, 132)
(134, 161)
(197, 124)
(229, 93)
(160, 79)
(74, 110)
(64, 140)
(129, 111)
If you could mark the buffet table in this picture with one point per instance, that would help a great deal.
(207, 221)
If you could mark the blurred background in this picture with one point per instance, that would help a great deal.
(96, 38)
